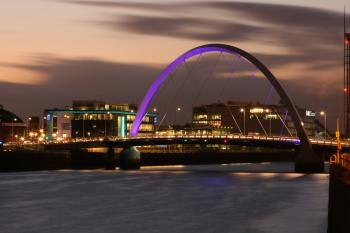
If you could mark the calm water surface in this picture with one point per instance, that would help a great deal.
(213, 198)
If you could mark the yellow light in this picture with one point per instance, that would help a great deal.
(257, 110)
(41, 130)
(154, 110)
(322, 113)
(22, 138)
(178, 109)
(54, 135)
(242, 110)
(31, 134)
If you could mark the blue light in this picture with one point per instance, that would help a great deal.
(1, 143)
(48, 117)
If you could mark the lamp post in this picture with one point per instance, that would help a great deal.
(243, 111)
(14, 120)
(28, 125)
(178, 109)
(323, 113)
(106, 124)
(84, 124)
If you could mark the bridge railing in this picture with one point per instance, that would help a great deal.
(329, 142)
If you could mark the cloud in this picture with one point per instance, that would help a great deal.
(185, 27)
(308, 35)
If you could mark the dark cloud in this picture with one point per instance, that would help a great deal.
(132, 5)
(310, 36)
(185, 27)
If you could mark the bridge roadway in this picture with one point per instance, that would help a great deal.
(252, 141)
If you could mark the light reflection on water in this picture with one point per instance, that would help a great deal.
(266, 197)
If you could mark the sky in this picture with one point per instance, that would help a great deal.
(54, 51)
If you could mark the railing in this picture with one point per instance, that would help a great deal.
(329, 142)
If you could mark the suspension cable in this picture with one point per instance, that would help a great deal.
(180, 87)
(283, 122)
(261, 125)
(231, 71)
(234, 119)
(206, 79)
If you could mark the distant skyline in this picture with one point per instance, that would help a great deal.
(54, 51)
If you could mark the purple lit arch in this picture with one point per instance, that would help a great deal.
(304, 141)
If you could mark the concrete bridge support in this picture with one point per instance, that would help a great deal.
(110, 159)
(130, 159)
(307, 161)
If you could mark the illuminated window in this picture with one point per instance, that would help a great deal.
(216, 117)
(256, 110)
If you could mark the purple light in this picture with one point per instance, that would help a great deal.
(162, 77)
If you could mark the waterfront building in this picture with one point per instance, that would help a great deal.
(12, 128)
(33, 124)
(254, 119)
(94, 119)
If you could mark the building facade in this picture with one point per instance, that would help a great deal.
(253, 119)
(94, 119)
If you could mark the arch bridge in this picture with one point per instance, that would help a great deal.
(306, 161)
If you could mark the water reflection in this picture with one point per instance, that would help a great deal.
(266, 197)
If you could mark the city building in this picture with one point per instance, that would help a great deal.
(254, 119)
(94, 119)
(33, 124)
(12, 128)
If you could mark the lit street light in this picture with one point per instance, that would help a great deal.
(243, 111)
(178, 109)
(14, 120)
(106, 123)
(84, 124)
(323, 113)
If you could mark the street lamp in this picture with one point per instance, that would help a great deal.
(323, 113)
(243, 111)
(178, 109)
(14, 120)
(106, 123)
(84, 124)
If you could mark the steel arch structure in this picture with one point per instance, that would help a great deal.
(305, 143)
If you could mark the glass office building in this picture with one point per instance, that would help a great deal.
(94, 119)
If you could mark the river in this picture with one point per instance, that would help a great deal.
(249, 198)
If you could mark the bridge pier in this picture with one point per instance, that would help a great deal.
(130, 159)
(307, 161)
(110, 159)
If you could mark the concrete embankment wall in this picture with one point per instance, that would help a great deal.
(49, 160)
(339, 200)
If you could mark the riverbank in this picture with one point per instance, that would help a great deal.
(51, 160)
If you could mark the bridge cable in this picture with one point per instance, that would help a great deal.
(284, 120)
(284, 124)
(261, 124)
(180, 87)
(234, 119)
(205, 81)
(231, 71)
